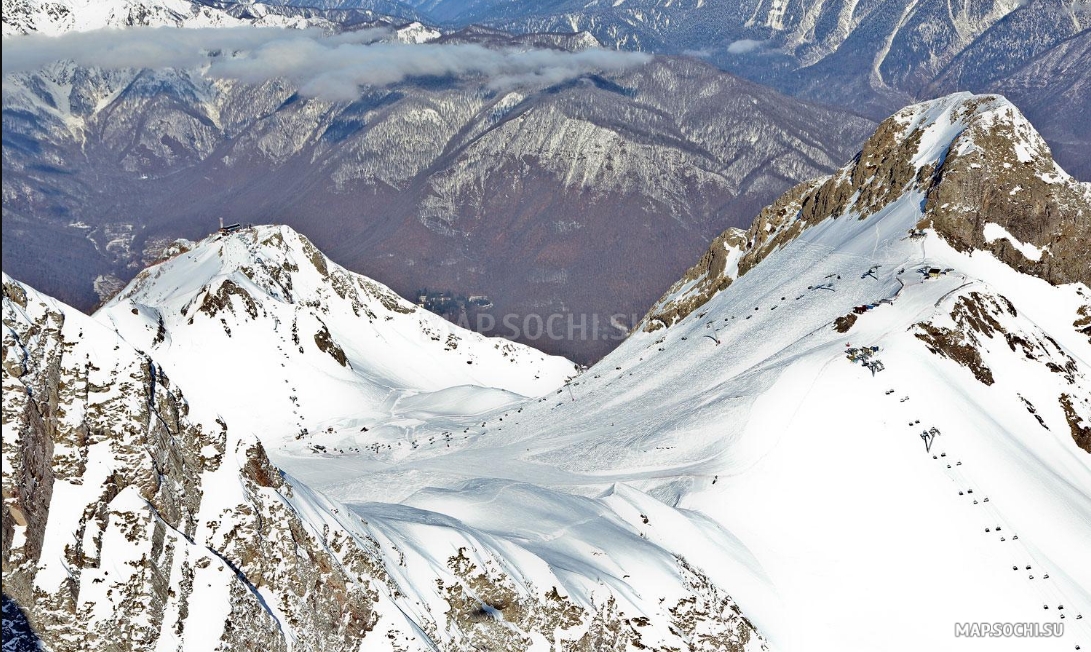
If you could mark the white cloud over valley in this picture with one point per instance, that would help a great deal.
(331, 67)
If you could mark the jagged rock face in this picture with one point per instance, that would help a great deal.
(978, 317)
(999, 171)
(984, 326)
(705, 621)
(986, 180)
(127, 523)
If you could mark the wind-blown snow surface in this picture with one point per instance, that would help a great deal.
(307, 346)
(847, 532)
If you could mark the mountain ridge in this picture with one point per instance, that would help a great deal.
(347, 349)
(901, 380)
(871, 57)
(1053, 211)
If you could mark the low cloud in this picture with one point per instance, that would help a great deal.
(336, 72)
(745, 46)
(327, 67)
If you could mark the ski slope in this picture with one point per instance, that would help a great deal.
(810, 460)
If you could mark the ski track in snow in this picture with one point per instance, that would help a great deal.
(784, 383)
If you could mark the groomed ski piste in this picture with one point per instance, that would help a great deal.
(749, 440)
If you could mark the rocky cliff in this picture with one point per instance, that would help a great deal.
(129, 522)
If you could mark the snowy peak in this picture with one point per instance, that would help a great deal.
(998, 189)
(989, 182)
(984, 179)
(928, 148)
(232, 275)
(322, 348)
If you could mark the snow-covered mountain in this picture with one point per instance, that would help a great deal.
(54, 17)
(872, 56)
(852, 426)
(312, 346)
(882, 390)
(136, 518)
(876, 400)
(993, 186)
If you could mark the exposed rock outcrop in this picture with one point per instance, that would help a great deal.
(126, 520)
(999, 171)
(986, 179)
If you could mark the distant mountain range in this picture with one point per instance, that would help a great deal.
(541, 197)
(872, 56)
